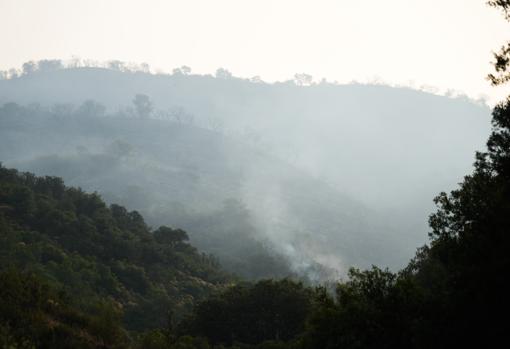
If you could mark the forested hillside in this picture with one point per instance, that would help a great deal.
(262, 217)
(98, 255)
(323, 128)
(94, 264)
(313, 177)
(143, 210)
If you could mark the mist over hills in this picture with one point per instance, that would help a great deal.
(318, 174)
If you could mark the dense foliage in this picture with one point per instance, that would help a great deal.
(94, 252)
(300, 159)
(268, 310)
(33, 315)
(76, 273)
(454, 293)
(171, 173)
(105, 274)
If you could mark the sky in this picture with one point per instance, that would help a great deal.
(444, 44)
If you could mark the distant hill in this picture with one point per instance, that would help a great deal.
(203, 182)
(323, 175)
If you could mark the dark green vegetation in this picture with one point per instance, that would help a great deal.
(242, 205)
(94, 253)
(311, 170)
(101, 274)
(76, 273)
(34, 315)
(454, 293)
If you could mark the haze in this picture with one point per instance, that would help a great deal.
(265, 174)
(445, 44)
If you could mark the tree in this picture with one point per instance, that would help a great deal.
(107, 324)
(13, 73)
(502, 58)
(303, 79)
(48, 65)
(11, 109)
(455, 292)
(373, 309)
(91, 108)
(145, 67)
(186, 70)
(251, 314)
(62, 109)
(143, 106)
(222, 73)
(166, 235)
(181, 116)
(116, 65)
(183, 70)
(29, 67)
(75, 62)
(470, 240)
(96, 255)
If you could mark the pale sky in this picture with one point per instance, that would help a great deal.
(440, 43)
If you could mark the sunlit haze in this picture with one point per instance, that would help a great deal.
(256, 174)
(445, 44)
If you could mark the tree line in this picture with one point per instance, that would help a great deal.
(75, 269)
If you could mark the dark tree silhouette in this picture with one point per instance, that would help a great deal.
(502, 57)
(143, 106)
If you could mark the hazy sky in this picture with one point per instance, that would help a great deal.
(442, 43)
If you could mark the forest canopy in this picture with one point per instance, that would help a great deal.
(76, 272)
